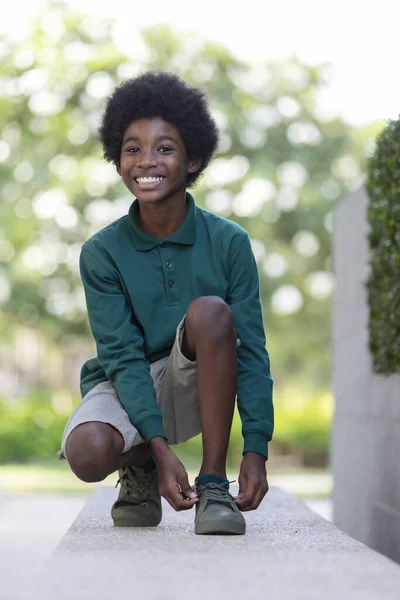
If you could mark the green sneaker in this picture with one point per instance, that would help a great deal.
(139, 502)
(217, 511)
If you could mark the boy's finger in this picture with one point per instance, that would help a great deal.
(247, 499)
(254, 504)
(240, 495)
(186, 489)
(189, 493)
(259, 498)
(188, 503)
(184, 503)
(253, 500)
(241, 500)
(171, 502)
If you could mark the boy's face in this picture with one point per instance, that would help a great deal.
(153, 162)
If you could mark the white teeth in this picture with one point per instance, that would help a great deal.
(149, 179)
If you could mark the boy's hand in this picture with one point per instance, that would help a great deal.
(173, 482)
(253, 484)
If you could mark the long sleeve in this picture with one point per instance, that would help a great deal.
(119, 343)
(254, 386)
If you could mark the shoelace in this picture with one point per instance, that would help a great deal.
(214, 492)
(132, 486)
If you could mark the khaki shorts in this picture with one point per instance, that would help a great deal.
(175, 382)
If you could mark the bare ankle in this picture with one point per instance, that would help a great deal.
(210, 470)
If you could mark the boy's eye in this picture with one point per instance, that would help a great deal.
(165, 149)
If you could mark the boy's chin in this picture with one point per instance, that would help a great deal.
(150, 196)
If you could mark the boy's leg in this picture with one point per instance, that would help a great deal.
(210, 339)
(94, 450)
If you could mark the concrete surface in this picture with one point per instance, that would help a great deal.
(366, 427)
(288, 552)
(31, 526)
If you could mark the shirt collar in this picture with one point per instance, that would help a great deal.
(185, 234)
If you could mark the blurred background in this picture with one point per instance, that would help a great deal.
(299, 93)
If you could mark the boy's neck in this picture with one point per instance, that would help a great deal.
(162, 219)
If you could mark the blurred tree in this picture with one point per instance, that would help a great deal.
(280, 167)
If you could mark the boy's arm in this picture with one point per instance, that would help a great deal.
(119, 343)
(254, 386)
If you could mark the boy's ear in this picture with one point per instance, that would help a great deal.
(118, 169)
(194, 165)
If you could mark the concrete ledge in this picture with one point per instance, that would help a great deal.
(288, 553)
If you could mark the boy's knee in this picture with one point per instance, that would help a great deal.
(210, 314)
(90, 453)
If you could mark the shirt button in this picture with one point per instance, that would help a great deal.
(163, 244)
(171, 283)
(168, 264)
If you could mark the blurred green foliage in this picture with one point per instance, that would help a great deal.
(384, 239)
(281, 166)
(303, 425)
(32, 427)
(302, 432)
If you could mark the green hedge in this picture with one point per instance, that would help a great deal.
(31, 428)
(383, 285)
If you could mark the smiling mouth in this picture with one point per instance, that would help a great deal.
(147, 181)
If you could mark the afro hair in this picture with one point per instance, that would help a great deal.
(165, 95)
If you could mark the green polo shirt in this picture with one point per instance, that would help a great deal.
(138, 288)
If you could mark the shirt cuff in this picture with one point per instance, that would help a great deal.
(150, 428)
(256, 442)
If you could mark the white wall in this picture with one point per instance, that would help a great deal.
(366, 430)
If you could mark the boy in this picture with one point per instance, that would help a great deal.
(172, 295)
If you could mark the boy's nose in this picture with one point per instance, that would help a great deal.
(147, 159)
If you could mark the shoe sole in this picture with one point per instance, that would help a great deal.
(133, 523)
(220, 528)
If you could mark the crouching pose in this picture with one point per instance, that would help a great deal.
(172, 294)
